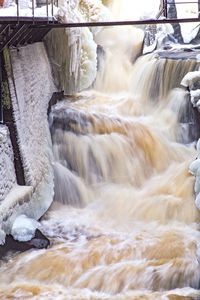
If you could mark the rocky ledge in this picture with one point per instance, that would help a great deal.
(38, 242)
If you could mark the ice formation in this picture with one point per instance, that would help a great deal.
(93, 11)
(23, 228)
(190, 79)
(194, 169)
(7, 172)
(31, 87)
(7, 175)
(72, 51)
(133, 9)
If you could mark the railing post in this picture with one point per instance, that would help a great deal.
(33, 11)
(162, 3)
(47, 9)
(198, 8)
(165, 8)
(52, 8)
(17, 2)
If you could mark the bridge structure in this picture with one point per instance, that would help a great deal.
(19, 30)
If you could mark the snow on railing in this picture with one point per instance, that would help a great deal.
(28, 8)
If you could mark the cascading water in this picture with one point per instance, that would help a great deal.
(123, 224)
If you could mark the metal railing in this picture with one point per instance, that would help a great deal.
(49, 21)
(50, 4)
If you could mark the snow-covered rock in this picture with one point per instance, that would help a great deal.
(194, 169)
(24, 228)
(194, 166)
(195, 96)
(191, 80)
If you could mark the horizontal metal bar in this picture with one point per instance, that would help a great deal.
(168, 3)
(193, 2)
(11, 20)
(118, 23)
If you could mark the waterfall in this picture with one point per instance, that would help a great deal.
(123, 223)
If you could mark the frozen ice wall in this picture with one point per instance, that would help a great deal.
(12, 196)
(7, 171)
(31, 87)
(72, 51)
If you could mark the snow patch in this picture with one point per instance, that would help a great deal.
(195, 96)
(190, 78)
(15, 203)
(24, 228)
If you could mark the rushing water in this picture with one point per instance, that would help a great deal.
(123, 224)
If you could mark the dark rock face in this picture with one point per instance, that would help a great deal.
(38, 242)
(100, 55)
(180, 54)
(151, 31)
(172, 14)
(196, 40)
(189, 122)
